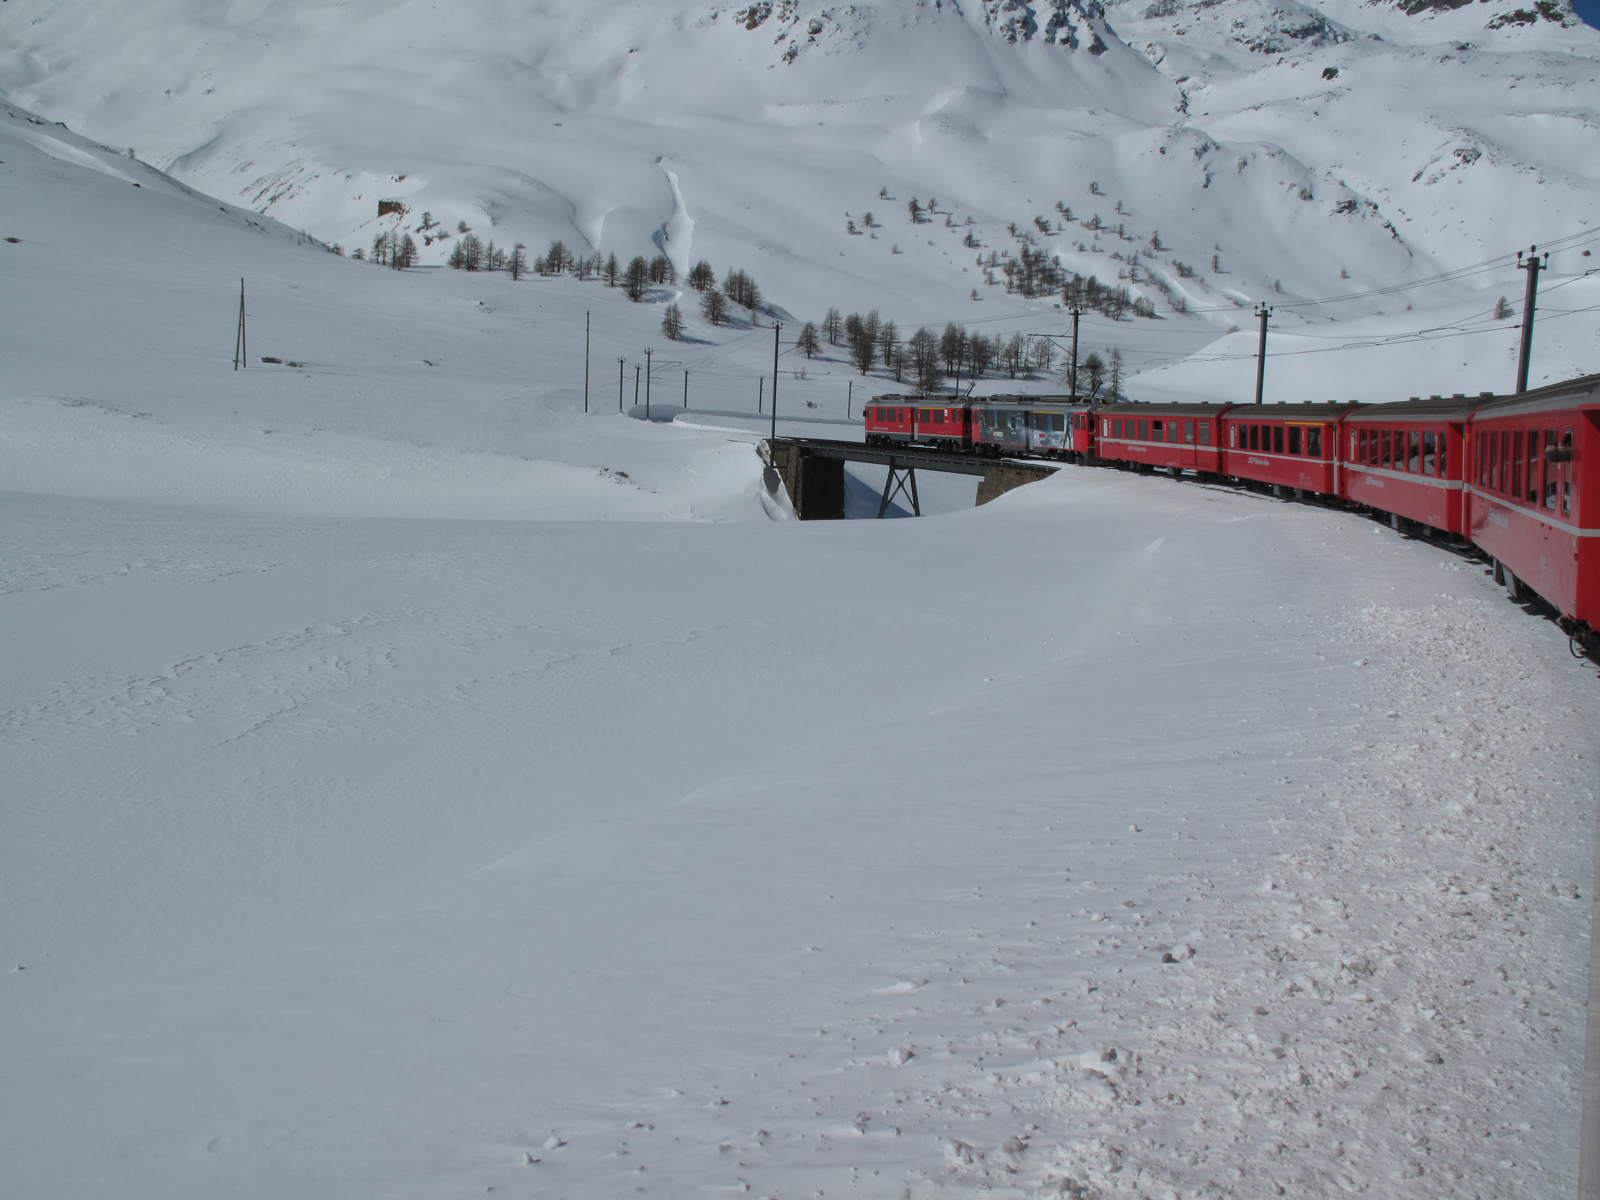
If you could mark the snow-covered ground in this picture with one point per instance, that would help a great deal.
(416, 787)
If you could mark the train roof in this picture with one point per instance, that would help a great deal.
(914, 399)
(1234, 412)
(1582, 392)
(1434, 408)
(1146, 408)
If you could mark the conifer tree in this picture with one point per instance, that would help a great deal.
(1091, 374)
(832, 326)
(702, 277)
(672, 322)
(637, 278)
(714, 306)
(808, 343)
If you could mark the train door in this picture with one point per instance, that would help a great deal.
(1184, 428)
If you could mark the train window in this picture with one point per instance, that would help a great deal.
(1429, 441)
(1255, 436)
(1156, 431)
(1383, 460)
(1552, 473)
(1314, 442)
(1533, 489)
(1116, 427)
(1294, 439)
(1516, 464)
(1444, 438)
(1188, 433)
(1494, 462)
(1358, 445)
(1277, 439)
(1144, 430)
(1505, 460)
(1372, 448)
(1566, 474)
(1205, 433)
(1414, 455)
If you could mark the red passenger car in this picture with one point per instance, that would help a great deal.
(1409, 460)
(1533, 501)
(890, 419)
(1175, 437)
(943, 422)
(1291, 446)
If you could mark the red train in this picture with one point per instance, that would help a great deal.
(1517, 477)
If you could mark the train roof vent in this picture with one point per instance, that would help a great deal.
(1436, 397)
(1485, 395)
(1416, 397)
(1458, 395)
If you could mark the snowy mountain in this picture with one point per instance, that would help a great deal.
(1211, 155)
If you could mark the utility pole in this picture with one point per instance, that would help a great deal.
(1076, 313)
(241, 351)
(776, 328)
(686, 389)
(761, 391)
(585, 362)
(647, 383)
(621, 362)
(636, 385)
(1263, 312)
(1533, 266)
(849, 399)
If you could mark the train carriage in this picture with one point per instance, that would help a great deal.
(1174, 437)
(1292, 446)
(999, 425)
(945, 423)
(889, 419)
(1409, 459)
(1533, 494)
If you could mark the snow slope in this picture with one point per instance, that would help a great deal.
(1308, 150)
(411, 777)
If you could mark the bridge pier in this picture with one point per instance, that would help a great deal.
(901, 481)
(815, 485)
(1001, 477)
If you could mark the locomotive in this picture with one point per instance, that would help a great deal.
(1516, 478)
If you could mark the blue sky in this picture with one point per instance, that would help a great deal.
(1589, 10)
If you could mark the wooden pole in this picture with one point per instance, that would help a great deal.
(585, 362)
(776, 328)
(241, 348)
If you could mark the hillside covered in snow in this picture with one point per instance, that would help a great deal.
(1208, 157)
